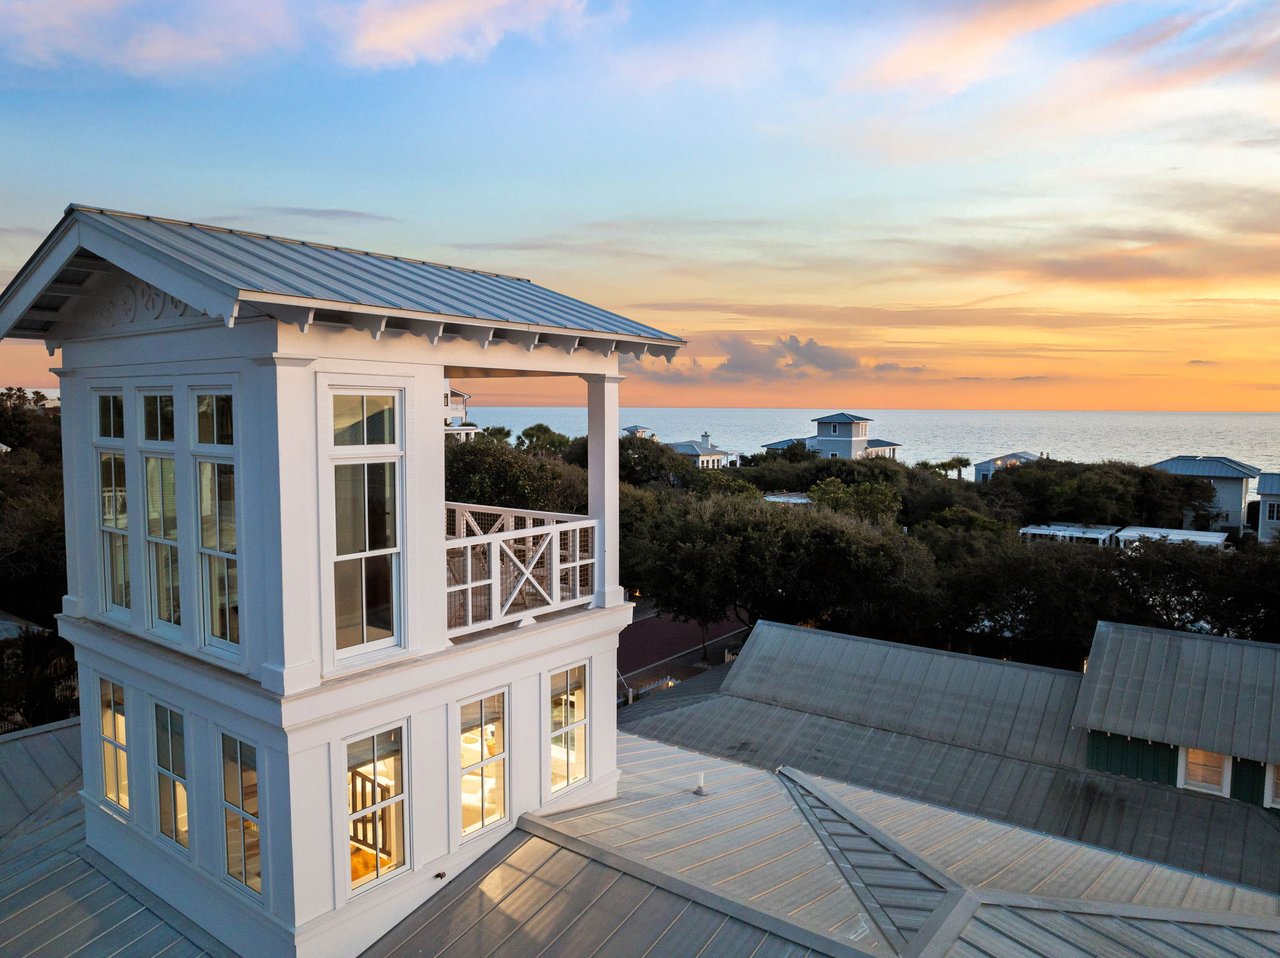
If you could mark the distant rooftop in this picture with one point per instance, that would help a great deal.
(1134, 533)
(1022, 456)
(1070, 530)
(1269, 484)
(842, 417)
(1208, 467)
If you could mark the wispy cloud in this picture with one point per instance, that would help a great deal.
(400, 32)
(949, 54)
(726, 59)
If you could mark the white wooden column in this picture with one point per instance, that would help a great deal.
(602, 465)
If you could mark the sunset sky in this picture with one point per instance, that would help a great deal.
(1023, 204)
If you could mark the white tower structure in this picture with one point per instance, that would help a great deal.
(312, 688)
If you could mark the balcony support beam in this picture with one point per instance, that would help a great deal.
(602, 469)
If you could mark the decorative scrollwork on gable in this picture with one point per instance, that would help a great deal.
(135, 301)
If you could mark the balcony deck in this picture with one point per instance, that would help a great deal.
(514, 565)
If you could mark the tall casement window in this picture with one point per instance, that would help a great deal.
(240, 812)
(366, 569)
(1273, 511)
(484, 762)
(162, 512)
(1204, 771)
(375, 805)
(113, 502)
(115, 750)
(171, 775)
(216, 480)
(568, 727)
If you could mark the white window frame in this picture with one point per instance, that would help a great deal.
(155, 624)
(224, 807)
(216, 454)
(584, 723)
(119, 749)
(346, 818)
(163, 773)
(393, 453)
(1273, 511)
(1225, 791)
(504, 755)
(114, 446)
(1270, 794)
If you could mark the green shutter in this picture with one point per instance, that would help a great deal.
(1133, 758)
(1248, 780)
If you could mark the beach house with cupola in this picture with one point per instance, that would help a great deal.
(313, 688)
(841, 435)
(1230, 480)
(456, 426)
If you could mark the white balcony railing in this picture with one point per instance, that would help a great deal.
(510, 565)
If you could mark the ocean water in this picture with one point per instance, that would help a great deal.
(935, 434)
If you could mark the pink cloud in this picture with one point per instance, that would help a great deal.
(953, 55)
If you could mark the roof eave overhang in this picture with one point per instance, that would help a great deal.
(178, 278)
(303, 309)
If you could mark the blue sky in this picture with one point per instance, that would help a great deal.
(1035, 204)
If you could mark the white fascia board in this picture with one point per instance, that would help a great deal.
(620, 340)
(31, 280)
(175, 276)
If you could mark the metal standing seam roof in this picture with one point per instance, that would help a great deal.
(256, 263)
(1010, 776)
(1208, 467)
(692, 447)
(1181, 688)
(881, 443)
(1002, 707)
(1134, 533)
(784, 443)
(842, 417)
(1269, 484)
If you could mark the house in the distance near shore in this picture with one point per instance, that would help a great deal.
(983, 471)
(704, 454)
(640, 432)
(1269, 508)
(842, 435)
(456, 426)
(1230, 480)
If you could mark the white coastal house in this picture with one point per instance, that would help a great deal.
(705, 454)
(318, 690)
(640, 432)
(1230, 480)
(983, 471)
(1269, 507)
(456, 426)
(842, 435)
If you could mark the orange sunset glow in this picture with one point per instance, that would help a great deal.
(1047, 204)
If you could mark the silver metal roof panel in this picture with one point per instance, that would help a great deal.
(1208, 467)
(1181, 688)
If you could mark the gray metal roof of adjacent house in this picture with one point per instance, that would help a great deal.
(243, 264)
(1208, 467)
(693, 447)
(881, 443)
(1183, 688)
(842, 417)
(1001, 707)
(1269, 484)
(996, 757)
(784, 443)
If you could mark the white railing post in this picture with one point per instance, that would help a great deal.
(602, 470)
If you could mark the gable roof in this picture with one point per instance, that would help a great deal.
(1181, 688)
(694, 447)
(1269, 484)
(1208, 467)
(842, 417)
(1022, 456)
(235, 265)
(1005, 707)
